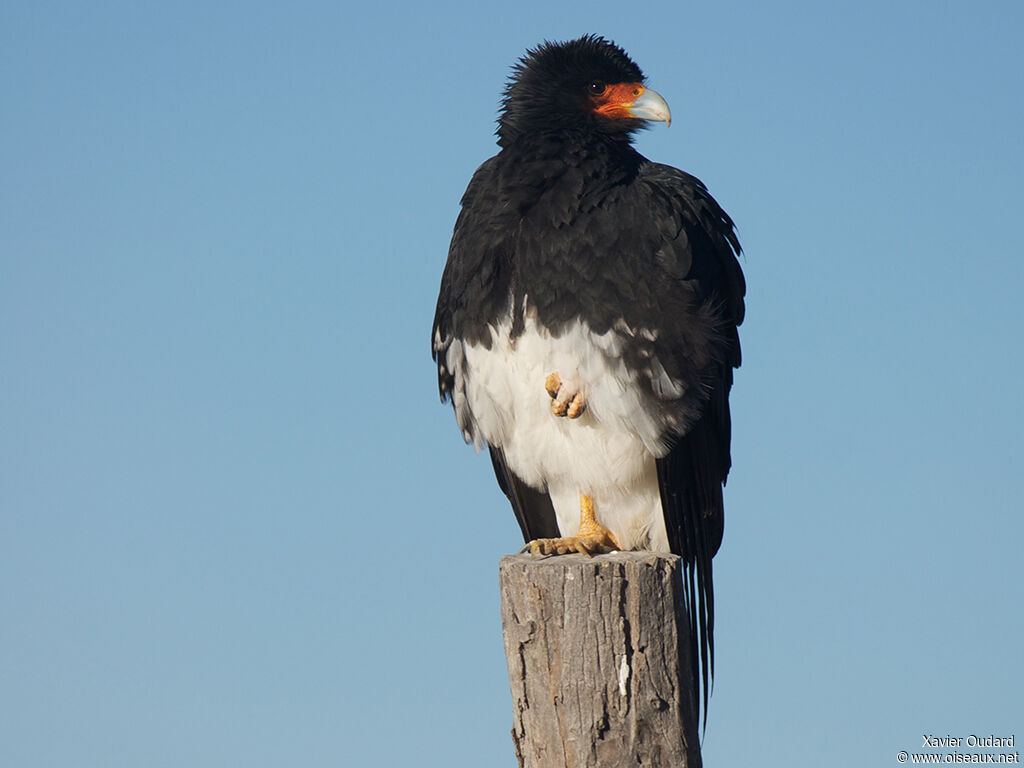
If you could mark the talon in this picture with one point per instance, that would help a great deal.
(559, 407)
(576, 406)
(566, 398)
(553, 383)
(592, 537)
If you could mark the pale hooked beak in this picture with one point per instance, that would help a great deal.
(650, 106)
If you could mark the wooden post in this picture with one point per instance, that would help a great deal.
(598, 661)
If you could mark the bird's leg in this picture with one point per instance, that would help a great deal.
(591, 538)
(566, 399)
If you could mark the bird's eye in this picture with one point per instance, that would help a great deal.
(596, 88)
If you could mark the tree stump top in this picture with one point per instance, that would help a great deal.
(598, 659)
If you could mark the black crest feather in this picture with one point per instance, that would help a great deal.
(547, 87)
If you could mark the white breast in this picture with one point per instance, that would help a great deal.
(607, 453)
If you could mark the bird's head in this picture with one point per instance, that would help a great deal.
(587, 85)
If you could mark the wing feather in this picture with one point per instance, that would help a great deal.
(700, 250)
(534, 511)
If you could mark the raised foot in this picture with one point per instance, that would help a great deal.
(567, 399)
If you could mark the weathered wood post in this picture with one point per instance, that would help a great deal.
(598, 661)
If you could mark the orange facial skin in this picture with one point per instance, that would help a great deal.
(616, 100)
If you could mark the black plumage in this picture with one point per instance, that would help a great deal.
(569, 227)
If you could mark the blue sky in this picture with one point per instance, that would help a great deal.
(236, 526)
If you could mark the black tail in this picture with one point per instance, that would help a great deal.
(691, 477)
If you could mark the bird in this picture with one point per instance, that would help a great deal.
(586, 328)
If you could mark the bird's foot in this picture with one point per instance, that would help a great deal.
(567, 399)
(591, 539)
(594, 544)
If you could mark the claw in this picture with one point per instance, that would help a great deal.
(559, 407)
(591, 538)
(566, 399)
(553, 383)
(596, 543)
(576, 406)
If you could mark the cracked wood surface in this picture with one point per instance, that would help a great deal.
(598, 661)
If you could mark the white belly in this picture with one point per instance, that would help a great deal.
(607, 453)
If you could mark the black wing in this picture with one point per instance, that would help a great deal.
(474, 290)
(534, 511)
(700, 251)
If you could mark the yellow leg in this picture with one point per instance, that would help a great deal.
(591, 538)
